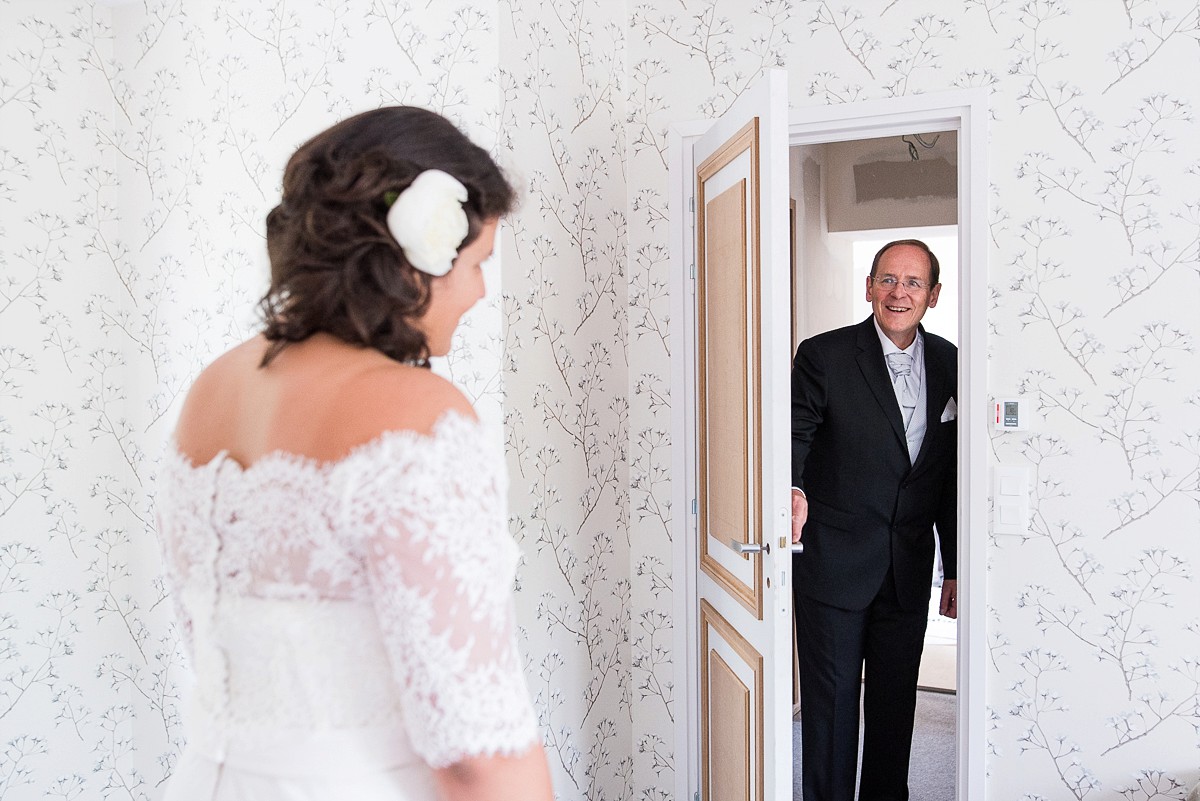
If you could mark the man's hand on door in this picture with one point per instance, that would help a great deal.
(799, 513)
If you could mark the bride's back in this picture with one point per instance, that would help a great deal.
(318, 399)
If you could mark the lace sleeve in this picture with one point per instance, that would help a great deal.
(182, 513)
(429, 518)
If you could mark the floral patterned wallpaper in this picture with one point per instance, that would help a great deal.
(143, 145)
(566, 361)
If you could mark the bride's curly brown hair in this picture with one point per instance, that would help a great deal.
(335, 267)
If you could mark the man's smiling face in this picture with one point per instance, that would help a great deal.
(899, 309)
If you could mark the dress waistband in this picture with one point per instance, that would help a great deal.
(308, 753)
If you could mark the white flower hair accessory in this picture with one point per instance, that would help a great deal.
(428, 221)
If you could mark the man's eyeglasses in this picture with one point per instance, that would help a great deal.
(890, 282)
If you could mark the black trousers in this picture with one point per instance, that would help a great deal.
(875, 652)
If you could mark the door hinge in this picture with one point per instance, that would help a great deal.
(692, 209)
(696, 796)
(695, 507)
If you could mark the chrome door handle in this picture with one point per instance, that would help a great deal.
(745, 548)
(786, 542)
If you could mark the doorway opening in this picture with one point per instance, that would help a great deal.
(848, 198)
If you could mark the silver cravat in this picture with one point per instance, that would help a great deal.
(905, 382)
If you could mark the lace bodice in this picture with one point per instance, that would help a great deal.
(369, 591)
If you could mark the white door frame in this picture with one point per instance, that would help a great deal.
(964, 111)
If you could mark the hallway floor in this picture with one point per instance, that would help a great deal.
(931, 771)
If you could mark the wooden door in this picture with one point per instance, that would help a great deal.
(743, 451)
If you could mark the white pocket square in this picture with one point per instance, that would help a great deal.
(950, 412)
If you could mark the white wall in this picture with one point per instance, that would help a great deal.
(825, 298)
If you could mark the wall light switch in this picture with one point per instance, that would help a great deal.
(1010, 514)
(1010, 496)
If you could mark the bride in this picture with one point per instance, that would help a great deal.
(331, 512)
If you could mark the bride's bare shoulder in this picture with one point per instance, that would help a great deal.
(218, 373)
(397, 396)
(210, 402)
(320, 398)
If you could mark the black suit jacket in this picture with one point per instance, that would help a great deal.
(868, 507)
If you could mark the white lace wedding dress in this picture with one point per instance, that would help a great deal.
(349, 623)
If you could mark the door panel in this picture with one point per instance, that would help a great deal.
(728, 473)
(731, 696)
(742, 448)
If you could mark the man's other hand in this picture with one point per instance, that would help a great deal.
(949, 605)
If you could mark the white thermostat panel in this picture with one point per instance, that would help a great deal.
(1010, 414)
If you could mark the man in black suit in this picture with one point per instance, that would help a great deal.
(874, 448)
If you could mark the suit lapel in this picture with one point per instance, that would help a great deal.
(935, 389)
(875, 372)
